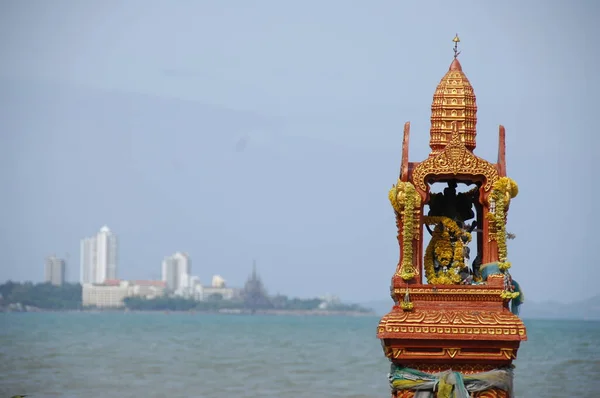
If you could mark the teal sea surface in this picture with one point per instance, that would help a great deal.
(99, 355)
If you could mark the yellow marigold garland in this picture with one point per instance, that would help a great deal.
(503, 191)
(508, 295)
(441, 247)
(405, 199)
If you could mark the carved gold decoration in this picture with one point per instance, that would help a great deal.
(450, 355)
(406, 202)
(460, 323)
(454, 331)
(452, 352)
(441, 293)
(454, 159)
(454, 102)
(508, 353)
(457, 317)
(480, 293)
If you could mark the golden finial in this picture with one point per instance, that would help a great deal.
(456, 40)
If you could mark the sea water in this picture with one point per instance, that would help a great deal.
(100, 355)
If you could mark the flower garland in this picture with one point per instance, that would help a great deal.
(503, 191)
(405, 199)
(449, 254)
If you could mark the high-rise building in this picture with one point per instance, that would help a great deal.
(88, 260)
(176, 271)
(55, 270)
(99, 257)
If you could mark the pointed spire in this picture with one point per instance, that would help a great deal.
(455, 65)
(254, 277)
(456, 40)
(453, 101)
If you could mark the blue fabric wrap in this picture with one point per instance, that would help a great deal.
(515, 303)
(489, 269)
(426, 384)
(493, 269)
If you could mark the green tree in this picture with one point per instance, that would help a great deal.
(42, 295)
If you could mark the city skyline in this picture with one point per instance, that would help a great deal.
(99, 263)
(274, 131)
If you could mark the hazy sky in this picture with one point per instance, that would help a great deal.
(236, 130)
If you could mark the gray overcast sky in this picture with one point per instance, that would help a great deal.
(272, 130)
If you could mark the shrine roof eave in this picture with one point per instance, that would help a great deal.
(453, 161)
(447, 177)
(438, 169)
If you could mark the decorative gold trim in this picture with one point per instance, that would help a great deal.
(428, 323)
(416, 328)
(476, 333)
(439, 292)
(451, 353)
(455, 318)
(454, 159)
(490, 296)
(474, 290)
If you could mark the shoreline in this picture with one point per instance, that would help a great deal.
(197, 312)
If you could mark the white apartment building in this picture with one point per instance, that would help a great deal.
(55, 270)
(111, 293)
(108, 295)
(99, 257)
(176, 271)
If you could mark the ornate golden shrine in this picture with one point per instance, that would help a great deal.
(450, 330)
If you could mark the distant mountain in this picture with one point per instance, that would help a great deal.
(586, 309)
